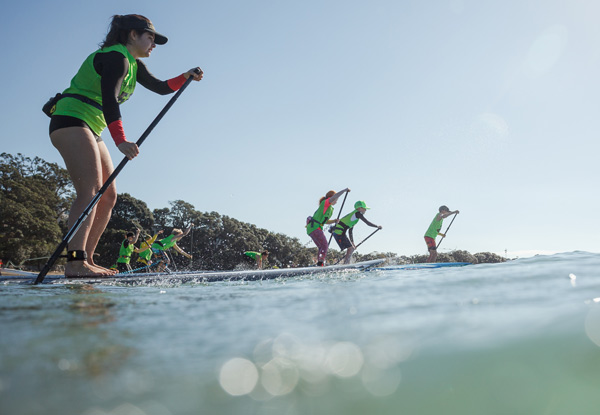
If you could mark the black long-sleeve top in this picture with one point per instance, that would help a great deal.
(112, 68)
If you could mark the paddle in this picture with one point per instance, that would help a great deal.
(356, 247)
(192, 247)
(108, 182)
(338, 218)
(372, 233)
(445, 233)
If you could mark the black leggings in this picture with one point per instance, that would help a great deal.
(63, 121)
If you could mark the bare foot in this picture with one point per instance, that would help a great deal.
(82, 269)
(102, 269)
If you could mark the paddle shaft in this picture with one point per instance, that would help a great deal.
(191, 247)
(338, 218)
(439, 243)
(105, 186)
(372, 233)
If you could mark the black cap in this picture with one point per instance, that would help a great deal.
(134, 22)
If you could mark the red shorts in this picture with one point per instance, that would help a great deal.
(431, 245)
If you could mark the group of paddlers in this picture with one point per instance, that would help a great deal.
(341, 230)
(323, 216)
(148, 248)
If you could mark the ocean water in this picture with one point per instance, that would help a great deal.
(521, 337)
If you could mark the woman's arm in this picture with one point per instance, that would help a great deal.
(365, 220)
(181, 251)
(149, 81)
(112, 68)
(140, 249)
(446, 214)
(336, 196)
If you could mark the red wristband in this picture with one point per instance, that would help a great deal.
(177, 82)
(116, 131)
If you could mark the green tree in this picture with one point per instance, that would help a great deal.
(161, 218)
(182, 214)
(34, 199)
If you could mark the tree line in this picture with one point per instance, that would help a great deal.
(35, 197)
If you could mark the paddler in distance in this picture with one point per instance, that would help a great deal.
(434, 230)
(170, 242)
(314, 223)
(145, 257)
(259, 257)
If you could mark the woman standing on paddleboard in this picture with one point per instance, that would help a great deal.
(106, 79)
(314, 223)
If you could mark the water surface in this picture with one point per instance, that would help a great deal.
(520, 337)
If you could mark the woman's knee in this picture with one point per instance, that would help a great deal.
(109, 198)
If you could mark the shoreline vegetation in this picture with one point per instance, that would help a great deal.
(35, 197)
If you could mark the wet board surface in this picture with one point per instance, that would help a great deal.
(191, 276)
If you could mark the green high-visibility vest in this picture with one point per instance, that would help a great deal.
(320, 216)
(147, 254)
(434, 228)
(87, 83)
(346, 222)
(165, 243)
(125, 252)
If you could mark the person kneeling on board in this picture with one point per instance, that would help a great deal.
(258, 257)
(347, 224)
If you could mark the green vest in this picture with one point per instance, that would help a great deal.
(346, 222)
(147, 254)
(87, 83)
(165, 243)
(321, 216)
(125, 253)
(434, 228)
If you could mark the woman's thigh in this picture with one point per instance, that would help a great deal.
(82, 157)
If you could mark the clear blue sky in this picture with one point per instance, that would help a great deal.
(489, 107)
